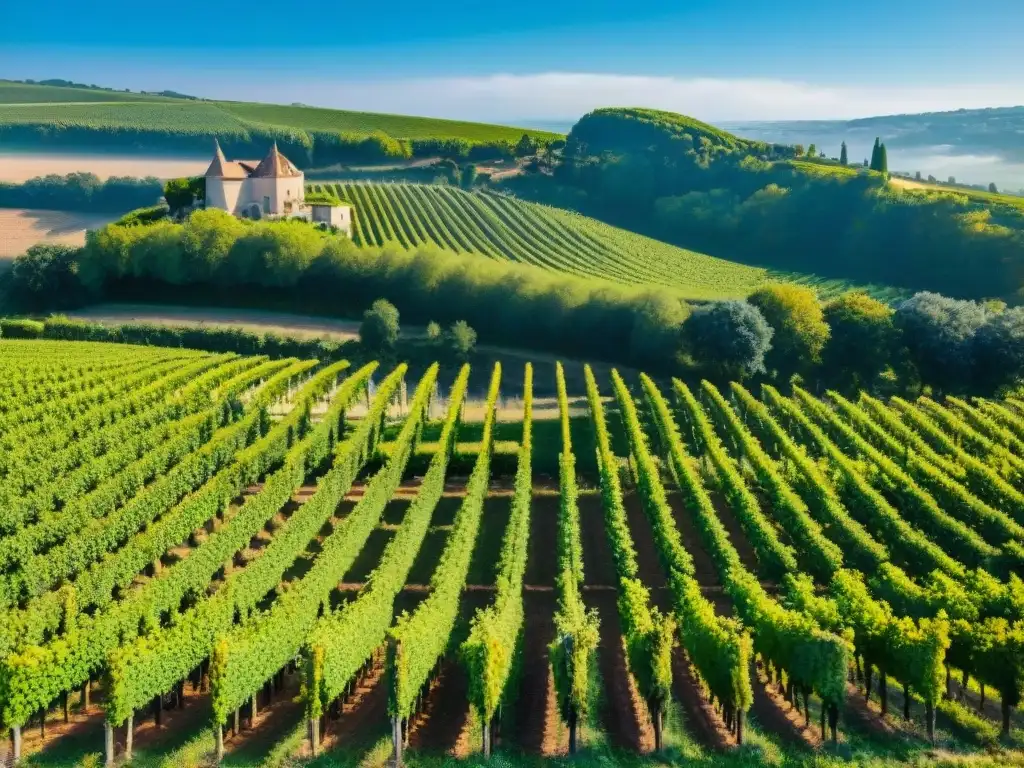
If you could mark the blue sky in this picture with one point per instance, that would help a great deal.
(532, 60)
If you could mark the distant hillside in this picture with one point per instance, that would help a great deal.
(768, 204)
(978, 146)
(49, 117)
(616, 128)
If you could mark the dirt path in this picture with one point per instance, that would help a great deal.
(624, 717)
(536, 717)
(707, 573)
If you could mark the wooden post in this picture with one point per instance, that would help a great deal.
(658, 725)
(824, 707)
(833, 721)
(237, 724)
(85, 694)
(16, 738)
(929, 715)
(67, 707)
(129, 737)
(396, 738)
(487, 741)
(255, 710)
(108, 743)
(42, 724)
(906, 701)
(158, 706)
(219, 729)
(314, 735)
(1006, 717)
(739, 727)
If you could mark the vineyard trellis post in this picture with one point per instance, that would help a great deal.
(129, 737)
(108, 743)
(219, 733)
(16, 738)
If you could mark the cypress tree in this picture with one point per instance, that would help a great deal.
(843, 159)
(875, 151)
(883, 160)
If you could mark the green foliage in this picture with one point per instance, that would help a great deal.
(573, 651)
(44, 277)
(733, 336)
(800, 330)
(808, 477)
(919, 553)
(34, 676)
(322, 198)
(81, 191)
(268, 640)
(789, 640)
(496, 632)
(843, 155)
(502, 227)
(342, 641)
(718, 647)
(460, 339)
(649, 634)
(379, 329)
(861, 342)
(418, 640)
(20, 329)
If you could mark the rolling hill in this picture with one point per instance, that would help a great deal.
(43, 117)
(505, 228)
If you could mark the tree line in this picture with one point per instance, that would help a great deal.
(780, 332)
(81, 192)
(307, 149)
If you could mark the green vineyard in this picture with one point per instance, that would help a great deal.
(502, 227)
(53, 108)
(218, 559)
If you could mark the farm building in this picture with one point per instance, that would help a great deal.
(270, 188)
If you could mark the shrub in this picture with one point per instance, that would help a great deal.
(379, 330)
(795, 314)
(730, 337)
(461, 339)
(20, 329)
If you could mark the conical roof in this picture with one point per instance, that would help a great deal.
(275, 165)
(222, 169)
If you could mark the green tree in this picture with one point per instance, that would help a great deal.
(730, 338)
(844, 158)
(379, 329)
(812, 151)
(469, 175)
(801, 332)
(179, 194)
(798, 150)
(883, 160)
(993, 188)
(862, 341)
(526, 146)
(433, 332)
(44, 277)
(460, 339)
(875, 152)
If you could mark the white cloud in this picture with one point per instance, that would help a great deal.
(566, 96)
